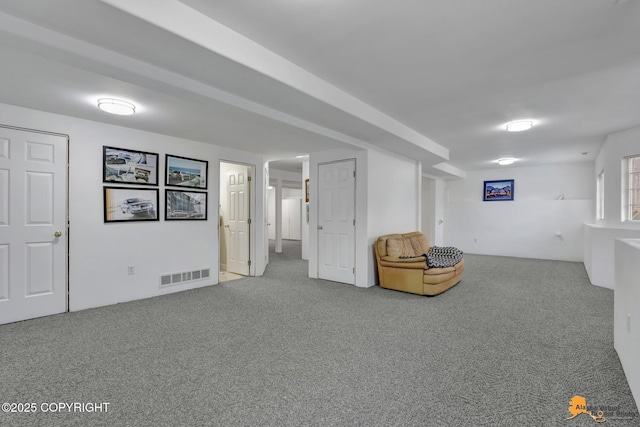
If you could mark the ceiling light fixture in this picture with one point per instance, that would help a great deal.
(506, 161)
(519, 125)
(116, 106)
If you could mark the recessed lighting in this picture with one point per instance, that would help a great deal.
(506, 161)
(301, 157)
(116, 106)
(519, 125)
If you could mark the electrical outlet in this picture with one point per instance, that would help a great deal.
(628, 322)
(130, 270)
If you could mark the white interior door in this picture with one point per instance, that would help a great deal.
(33, 242)
(336, 221)
(266, 210)
(293, 223)
(238, 220)
(271, 217)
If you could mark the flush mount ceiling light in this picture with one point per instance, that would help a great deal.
(519, 125)
(506, 161)
(116, 106)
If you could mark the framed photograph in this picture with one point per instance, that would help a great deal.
(123, 166)
(185, 172)
(190, 205)
(130, 204)
(306, 190)
(498, 190)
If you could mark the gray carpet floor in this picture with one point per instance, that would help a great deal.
(508, 346)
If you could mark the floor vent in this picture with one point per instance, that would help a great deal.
(186, 276)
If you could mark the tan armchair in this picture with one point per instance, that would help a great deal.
(412, 274)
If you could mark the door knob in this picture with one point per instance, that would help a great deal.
(58, 233)
(320, 227)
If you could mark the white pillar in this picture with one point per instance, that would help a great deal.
(279, 215)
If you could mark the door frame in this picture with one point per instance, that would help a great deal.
(355, 215)
(66, 204)
(252, 212)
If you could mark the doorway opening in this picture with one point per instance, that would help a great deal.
(235, 231)
(287, 207)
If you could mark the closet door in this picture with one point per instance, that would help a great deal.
(295, 223)
(286, 213)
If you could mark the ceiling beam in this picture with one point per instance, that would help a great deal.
(215, 37)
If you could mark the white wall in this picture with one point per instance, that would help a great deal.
(388, 190)
(428, 223)
(616, 147)
(99, 253)
(439, 195)
(394, 199)
(433, 191)
(599, 255)
(535, 224)
(601, 234)
(626, 311)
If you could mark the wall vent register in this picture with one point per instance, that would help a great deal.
(184, 277)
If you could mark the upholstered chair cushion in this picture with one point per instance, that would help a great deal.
(399, 247)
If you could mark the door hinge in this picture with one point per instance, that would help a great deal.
(354, 222)
(249, 178)
(249, 221)
(249, 263)
(354, 270)
(354, 174)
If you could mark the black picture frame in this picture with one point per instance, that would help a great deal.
(186, 172)
(130, 167)
(498, 190)
(126, 204)
(185, 205)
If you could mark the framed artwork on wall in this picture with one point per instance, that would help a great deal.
(498, 190)
(125, 166)
(130, 204)
(185, 205)
(186, 172)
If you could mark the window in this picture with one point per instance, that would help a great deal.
(600, 196)
(633, 195)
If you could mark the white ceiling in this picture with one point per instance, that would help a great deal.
(428, 79)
